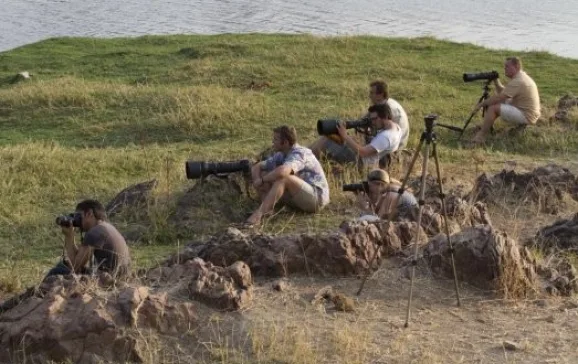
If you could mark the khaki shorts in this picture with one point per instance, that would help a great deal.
(512, 115)
(305, 200)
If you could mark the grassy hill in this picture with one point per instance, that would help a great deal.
(101, 114)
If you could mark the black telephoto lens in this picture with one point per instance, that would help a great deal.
(195, 169)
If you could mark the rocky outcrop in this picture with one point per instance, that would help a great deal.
(546, 186)
(223, 288)
(484, 258)
(84, 319)
(133, 197)
(562, 235)
(212, 202)
(565, 104)
(344, 252)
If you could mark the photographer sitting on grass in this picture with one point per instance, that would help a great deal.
(382, 195)
(293, 175)
(101, 240)
(343, 153)
(517, 103)
(385, 142)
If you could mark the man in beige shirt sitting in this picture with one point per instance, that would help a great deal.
(517, 103)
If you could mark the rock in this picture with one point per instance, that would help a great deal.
(343, 303)
(545, 186)
(348, 251)
(133, 197)
(484, 258)
(511, 345)
(562, 234)
(71, 318)
(280, 285)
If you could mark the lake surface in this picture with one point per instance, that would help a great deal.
(546, 25)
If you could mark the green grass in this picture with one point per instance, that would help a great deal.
(99, 115)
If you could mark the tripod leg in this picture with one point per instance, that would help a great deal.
(403, 184)
(445, 214)
(419, 216)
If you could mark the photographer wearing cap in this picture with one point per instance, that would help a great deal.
(378, 95)
(382, 194)
(517, 103)
(101, 240)
(293, 175)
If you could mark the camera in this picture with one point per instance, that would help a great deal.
(357, 187)
(490, 76)
(196, 169)
(329, 126)
(70, 220)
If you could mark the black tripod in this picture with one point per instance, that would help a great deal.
(485, 95)
(429, 137)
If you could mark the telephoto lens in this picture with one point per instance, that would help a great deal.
(196, 169)
(329, 126)
(356, 187)
(491, 75)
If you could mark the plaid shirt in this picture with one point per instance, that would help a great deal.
(304, 165)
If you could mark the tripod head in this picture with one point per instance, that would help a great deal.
(429, 121)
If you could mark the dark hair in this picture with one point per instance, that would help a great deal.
(381, 88)
(287, 133)
(382, 110)
(94, 206)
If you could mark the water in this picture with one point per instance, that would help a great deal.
(546, 25)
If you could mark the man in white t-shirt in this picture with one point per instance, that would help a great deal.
(378, 94)
(387, 139)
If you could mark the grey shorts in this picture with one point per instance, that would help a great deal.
(512, 115)
(340, 153)
(305, 200)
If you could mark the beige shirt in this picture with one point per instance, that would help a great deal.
(523, 94)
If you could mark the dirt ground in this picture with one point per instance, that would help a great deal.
(286, 327)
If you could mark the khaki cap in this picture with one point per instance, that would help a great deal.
(378, 175)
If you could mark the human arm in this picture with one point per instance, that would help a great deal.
(495, 99)
(256, 171)
(362, 151)
(78, 256)
(498, 85)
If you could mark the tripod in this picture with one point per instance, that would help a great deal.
(485, 95)
(429, 137)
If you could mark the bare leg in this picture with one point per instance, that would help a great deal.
(289, 184)
(319, 146)
(490, 117)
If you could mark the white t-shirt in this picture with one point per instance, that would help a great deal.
(399, 117)
(385, 142)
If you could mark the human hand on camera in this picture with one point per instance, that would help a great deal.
(68, 230)
(341, 130)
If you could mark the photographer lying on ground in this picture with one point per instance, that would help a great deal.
(293, 175)
(381, 196)
(342, 153)
(101, 240)
(517, 103)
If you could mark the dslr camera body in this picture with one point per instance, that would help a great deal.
(71, 220)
